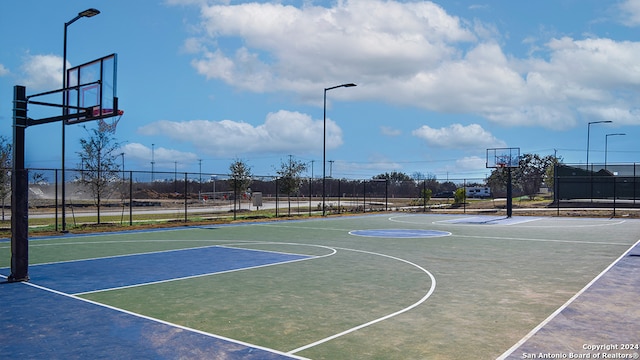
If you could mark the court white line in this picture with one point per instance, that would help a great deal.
(600, 222)
(423, 299)
(542, 240)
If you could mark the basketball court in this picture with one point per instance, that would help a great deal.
(393, 286)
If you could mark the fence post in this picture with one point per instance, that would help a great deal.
(339, 196)
(556, 187)
(130, 198)
(185, 198)
(364, 196)
(614, 195)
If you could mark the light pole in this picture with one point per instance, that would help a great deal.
(324, 145)
(153, 159)
(606, 146)
(65, 100)
(588, 131)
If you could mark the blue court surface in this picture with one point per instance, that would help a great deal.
(66, 327)
(77, 277)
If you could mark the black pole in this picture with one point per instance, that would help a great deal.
(339, 196)
(310, 196)
(424, 195)
(464, 197)
(509, 193)
(386, 194)
(130, 198)
(556, 188)
(364, 196)
(185, 198)
(614, 195)
(19, 191)
(56, 196)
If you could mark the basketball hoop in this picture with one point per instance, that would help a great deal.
(110, 127)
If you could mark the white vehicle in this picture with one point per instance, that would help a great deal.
(478, 192)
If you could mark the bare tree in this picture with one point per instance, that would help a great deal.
(5, 170)
(290, 179)
(99, 162)
(240, 178)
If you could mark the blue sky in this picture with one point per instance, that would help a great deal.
(207, 82)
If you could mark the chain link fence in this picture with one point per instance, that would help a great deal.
(134, 197)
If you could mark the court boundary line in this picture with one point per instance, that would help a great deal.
(423, 236)
(564, 306)
(609, 221)
(164, 322)
(542, 240)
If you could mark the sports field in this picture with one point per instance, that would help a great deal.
(392, 286)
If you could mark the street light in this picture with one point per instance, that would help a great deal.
(606, 146)
(65, 110)
(588, 131)
(324, 145)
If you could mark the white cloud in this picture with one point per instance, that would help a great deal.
(282, 132)
(415, 54)
(389, 131)
(470, 163)
(630, 15)
(3, 70)
(140, 153)
(368, 38)
(458, 136)
(42, 72)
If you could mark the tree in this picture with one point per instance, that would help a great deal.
(289, 177)
(240, 180)
(549, 174)
(459, 196)
(527, 177)
(99, 162)
(5, 170)
(394, 178)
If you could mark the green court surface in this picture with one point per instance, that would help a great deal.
(393, 286)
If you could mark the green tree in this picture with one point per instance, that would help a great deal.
(100, 168)
(240, 179)
(289, 177)
(527, 178)
(549, 174)
(459, 196)
(394, 178)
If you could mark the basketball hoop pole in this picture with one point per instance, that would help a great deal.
(19, 191)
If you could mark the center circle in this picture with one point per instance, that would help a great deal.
(400, 233)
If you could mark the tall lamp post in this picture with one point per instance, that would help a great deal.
(606, 146)
(324, 145)
(65, 99)
(588, 131)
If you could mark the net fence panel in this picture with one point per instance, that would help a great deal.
(578, 183)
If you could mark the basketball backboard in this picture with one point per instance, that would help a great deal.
(91, 90)
(503, 157)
